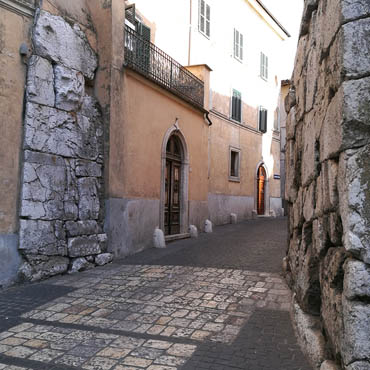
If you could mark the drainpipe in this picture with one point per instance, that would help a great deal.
(206, 117)
(190, 26)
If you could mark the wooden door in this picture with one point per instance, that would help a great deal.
(172, 188)
(261, 178)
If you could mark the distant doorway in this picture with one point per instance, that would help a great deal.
(261, 189)
(172, 206)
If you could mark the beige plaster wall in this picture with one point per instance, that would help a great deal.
(149, 112)
(14, 30)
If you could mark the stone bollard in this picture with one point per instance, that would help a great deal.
(158, 238)
(233, 218)
(254, 214)
(273, 214)
(207, 226)
(328, 365)
(193, 231)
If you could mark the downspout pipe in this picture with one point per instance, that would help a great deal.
(206, 118)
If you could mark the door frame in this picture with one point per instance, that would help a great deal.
(184, 181)
(267, 188)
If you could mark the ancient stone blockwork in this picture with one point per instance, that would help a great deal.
(328, 175)
(61, 211)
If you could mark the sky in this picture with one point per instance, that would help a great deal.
(289, 14)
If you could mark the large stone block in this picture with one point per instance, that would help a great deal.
(88, 169)
(331, 282)
(358, 365)
(40, 81)
(49, 267)
(356, 280)
(83, 246)
(356, 47)
(41, 237)
(356, 322)
(89, 204)
(69, 88)
(54, 131)
(329, 173)
(309, 202)
(354, 175)
(310, 154)
(78, 228)
(53, 38)
(80, 264)
(352, 10)
(320, 235)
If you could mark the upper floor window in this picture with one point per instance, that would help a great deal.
(236, 106)
(238, 45)
(262, 119)
(264, 66)
(204, 18)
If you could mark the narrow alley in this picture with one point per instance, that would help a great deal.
(215, 302)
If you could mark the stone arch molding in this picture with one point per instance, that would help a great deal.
(184, 185)
(267, 187)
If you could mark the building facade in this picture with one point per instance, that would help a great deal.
(112, 138)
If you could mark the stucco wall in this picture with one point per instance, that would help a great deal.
(327, 187)
(149, 112)
(14, 30)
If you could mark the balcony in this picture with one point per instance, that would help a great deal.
(147, 59)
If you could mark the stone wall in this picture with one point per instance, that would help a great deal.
(328, 173)
(61, 211)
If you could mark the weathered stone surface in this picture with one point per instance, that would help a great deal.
(40, 81)
(55, 39)
(80, 264)
(25, 272)
(309, 335)
(158, 239)
(103, 259)
(329, 365)
(354, 175)
(78, 228)
(329, 175)
(41, 237)
(52, 266)
(356, 344)
(309, 202)
(358, 365)
(193, 231)
(356, 48)
(89, 205)
(331, 283)
(353, 10)
(356, 280)
(208, 226)
(83, 246)
(69, 88)
(88, 169)
(103, 242)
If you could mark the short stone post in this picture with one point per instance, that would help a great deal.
(158, 238)
(193, 231)
(208, 226)
(233, 218)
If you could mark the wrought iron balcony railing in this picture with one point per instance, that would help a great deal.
(153, 63)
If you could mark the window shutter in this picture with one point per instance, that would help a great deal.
(208, 20)
(239, 108)
(145, 32)
(267, 67)
(201, 15)
(261, 65)
(130, 13)
(263, 120)
(241, 47)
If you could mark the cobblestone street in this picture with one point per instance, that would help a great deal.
(216, 302)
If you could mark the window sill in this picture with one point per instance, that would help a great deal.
(238, 59)
(234, 179)
(264, 78)
(204, 34)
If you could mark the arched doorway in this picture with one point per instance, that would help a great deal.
(172, 179)
(261, 190)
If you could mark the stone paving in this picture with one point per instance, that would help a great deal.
(130, 316)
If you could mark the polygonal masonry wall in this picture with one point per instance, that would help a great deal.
(61, 211)
(328, 175)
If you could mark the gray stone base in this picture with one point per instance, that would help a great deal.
(10, 259)
(198, 213)
(130, 224)
(221, 206)
(276, 205)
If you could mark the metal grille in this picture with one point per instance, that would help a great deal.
(147, 59)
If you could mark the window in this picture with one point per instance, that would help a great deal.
(262, 119)
(236, 106)
(238, 45)
(204, 18)
(234, 173)
(264, 66)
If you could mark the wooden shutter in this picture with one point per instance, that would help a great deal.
(130, 13)
(145, 32)
(208, 20)
(263, 120)
(236, 103)
(261, 64)
(241, 47)
(266, 67)
(202, 15)
(236, 43)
